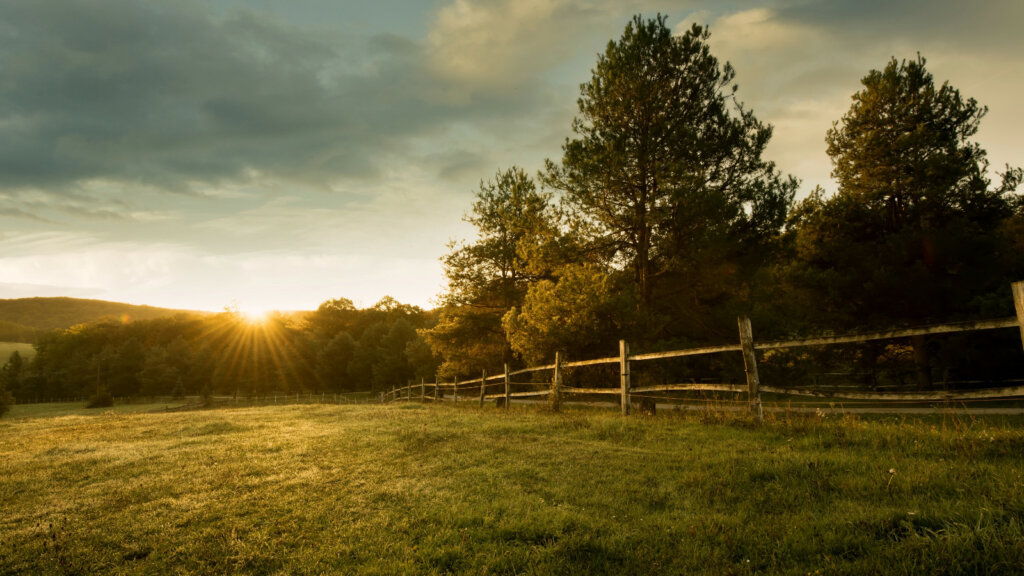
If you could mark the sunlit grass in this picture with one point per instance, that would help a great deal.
(395, 489)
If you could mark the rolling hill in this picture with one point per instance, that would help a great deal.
(24, 319)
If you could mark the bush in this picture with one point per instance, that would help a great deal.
(100, 400)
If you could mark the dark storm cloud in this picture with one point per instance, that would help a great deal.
(172, 95)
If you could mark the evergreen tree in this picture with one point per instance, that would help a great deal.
(913, 234)
(665, 175)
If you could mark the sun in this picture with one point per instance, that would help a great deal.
(253, 314)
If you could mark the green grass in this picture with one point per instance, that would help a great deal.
(8, 348)
(409, 489)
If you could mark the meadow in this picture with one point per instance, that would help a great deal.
(420, 489)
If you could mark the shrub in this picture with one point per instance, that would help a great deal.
(100, 400)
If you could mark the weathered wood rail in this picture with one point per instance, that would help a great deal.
(555, 389)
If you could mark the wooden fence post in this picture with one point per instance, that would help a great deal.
(408, 391)
(423, 390)
(556, 384)
(1018, 302)
(483, 387)
(508, 389)
(750, 365)
(437, 384)
(624, 375)
(456, 387)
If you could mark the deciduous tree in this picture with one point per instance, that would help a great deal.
(489, 276)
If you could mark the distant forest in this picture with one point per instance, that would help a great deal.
(660, 224)
(335, 348)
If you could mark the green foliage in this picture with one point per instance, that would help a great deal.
(913, 233)
(334, 317)
(367, 352)
(160, 372)
(227, 354)
(517, 237)
(362, 349)
(914, 213)
(422, 359)
(332, 362)
(391, 364)
(583, 311)
(10, 377)
(904, 152)
(12, 372)
(666, 173)
(671, 224)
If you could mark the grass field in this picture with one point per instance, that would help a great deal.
(412, 489)
(8, 348)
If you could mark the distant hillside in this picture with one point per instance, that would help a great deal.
(23, 319)
(12, 332)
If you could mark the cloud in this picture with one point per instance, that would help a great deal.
(496, 44)
(12, 290)
(210, 150)
(11, 212)
(175, 96)
(178, 275)
(798, 64)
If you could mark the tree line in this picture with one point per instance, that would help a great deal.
(336, 348)
(663, 222)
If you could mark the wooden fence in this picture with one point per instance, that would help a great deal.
(555, 390)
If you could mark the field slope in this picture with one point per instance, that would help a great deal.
(443, 489)
(42, 314)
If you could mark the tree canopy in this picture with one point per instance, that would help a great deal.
(515, 223)
(916, 232)
(665, 177)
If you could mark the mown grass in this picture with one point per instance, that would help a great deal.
(412, 489)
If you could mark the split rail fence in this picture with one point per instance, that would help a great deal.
(481, 389)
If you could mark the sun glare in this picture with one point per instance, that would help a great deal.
(254, 315)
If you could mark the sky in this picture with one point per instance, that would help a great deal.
(274, 154)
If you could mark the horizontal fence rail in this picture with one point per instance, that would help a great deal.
(905, 333)
(554, 390)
